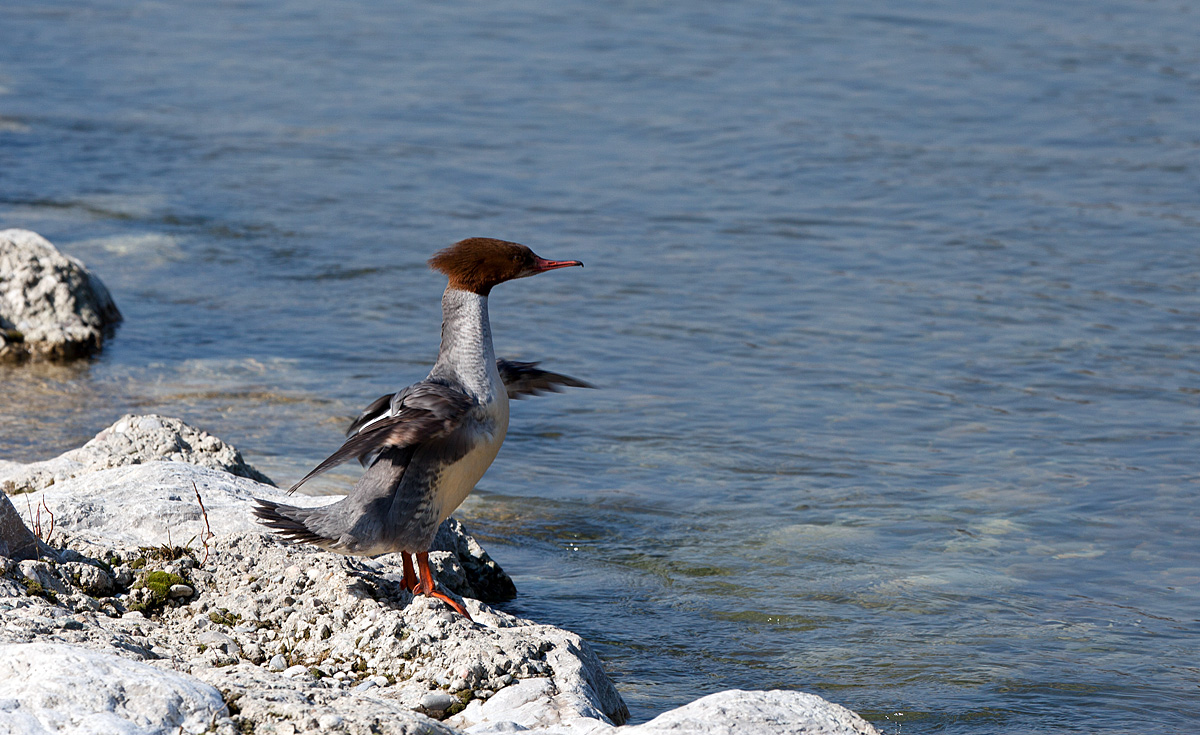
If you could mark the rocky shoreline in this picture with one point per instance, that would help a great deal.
(146, 600)
(135, 615)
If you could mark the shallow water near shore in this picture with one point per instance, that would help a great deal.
(893, 313)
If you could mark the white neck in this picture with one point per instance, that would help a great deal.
(466, 356)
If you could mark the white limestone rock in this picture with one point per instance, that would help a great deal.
(537, 705)
(131, 440)
(275, 704)
(51, 306)
(755, 713)
(291, 633)
(51, 687)
(336, 616)
(530, 706)
(153, 503)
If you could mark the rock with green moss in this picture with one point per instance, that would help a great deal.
(41, 579)
(152, 590)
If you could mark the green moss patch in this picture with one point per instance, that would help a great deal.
(35, 589)
(158, 587)
(224, 617)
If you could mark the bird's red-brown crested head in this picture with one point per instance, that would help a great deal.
(478, 263)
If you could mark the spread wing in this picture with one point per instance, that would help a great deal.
(520, 379)
(417, 414)
(527, 379)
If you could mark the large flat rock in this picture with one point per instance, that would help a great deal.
(154, 503)
(57, 688)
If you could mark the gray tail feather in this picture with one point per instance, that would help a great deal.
(289, 521)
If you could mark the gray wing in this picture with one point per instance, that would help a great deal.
(377, 410)
(417, 414)
(527, 379)
(520, 379)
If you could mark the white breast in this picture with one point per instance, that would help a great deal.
(457, 481)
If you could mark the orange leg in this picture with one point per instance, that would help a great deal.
(426, 586)
(410, 575)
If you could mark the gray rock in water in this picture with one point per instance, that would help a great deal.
(51, 306)
(131, 440)
(483, 578)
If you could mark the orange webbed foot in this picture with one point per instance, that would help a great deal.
(458, 607)
(425, 587)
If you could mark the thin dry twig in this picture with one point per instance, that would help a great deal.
(207, 529)
(35, 518)
(32, 521)
(49, 513)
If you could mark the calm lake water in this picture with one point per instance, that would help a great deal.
(893, 310)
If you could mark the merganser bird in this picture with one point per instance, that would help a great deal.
(426, 446)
